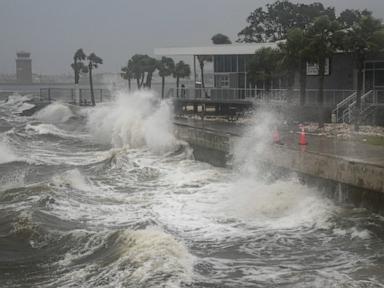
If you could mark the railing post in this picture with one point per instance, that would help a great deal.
(101, 95)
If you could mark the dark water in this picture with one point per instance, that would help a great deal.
(107, 197)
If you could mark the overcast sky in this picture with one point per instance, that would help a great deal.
(116, 29)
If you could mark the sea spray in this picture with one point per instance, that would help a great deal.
(134, 120)
(260, 194)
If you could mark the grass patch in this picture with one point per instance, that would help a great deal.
(374, 140)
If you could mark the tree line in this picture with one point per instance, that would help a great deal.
(142, 67)
(310, 33)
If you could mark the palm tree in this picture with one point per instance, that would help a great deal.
(202, 59)
(264, 65)
(126, 73)
(78, 64)
(150, 65)
(93, 62)
(364, 37)
(182, 70)
(322, 45)
(294, 52)
(166, 66)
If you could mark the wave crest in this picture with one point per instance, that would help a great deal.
(135, 120)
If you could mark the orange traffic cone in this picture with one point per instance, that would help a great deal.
(276, 137)
(302, 138)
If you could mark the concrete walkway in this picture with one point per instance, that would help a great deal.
(348, 150)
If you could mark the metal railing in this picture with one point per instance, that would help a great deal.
(331, 97)
(343, 106)
(70, 95)
(369, 102)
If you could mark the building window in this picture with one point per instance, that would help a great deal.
(225, 63)
(222, 80)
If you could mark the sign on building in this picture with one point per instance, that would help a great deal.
(313, 68)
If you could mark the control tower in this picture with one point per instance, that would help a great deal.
(23, 67)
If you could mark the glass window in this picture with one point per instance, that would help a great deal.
(379, 78)
(222, 80)
(241, 63)
(369, 65)
(379, 65)
(234, 63)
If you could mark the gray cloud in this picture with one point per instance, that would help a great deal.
(53, 29)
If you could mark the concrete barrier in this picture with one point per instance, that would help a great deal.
(215, 147)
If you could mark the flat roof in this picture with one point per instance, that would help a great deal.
(223, 49)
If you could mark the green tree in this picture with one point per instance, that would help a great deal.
(150, 66)
(142, 68)
(273, 24)
(78, 65)
(219, 38)
(294, 58)
(350, 17)
(322, 37)
(166, 66)
(363, 38)
(127, 74)
(93, 62)
(263, 66)
(182, 70)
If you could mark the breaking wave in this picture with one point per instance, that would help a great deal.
(127, 258)
(134, 120)
(55, 113)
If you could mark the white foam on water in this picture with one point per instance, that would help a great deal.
(74, 179)
(134, 120)
(48, 129)
(17, 103)
(147, 257)
(280, 204)
(54, 113)
(7, 154)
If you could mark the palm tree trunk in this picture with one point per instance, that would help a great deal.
(129, 83)
(76, 71)
(320, 97)
(303, 82)
(177, 86)
(91, 86)
(291, 82)
(149, 80)
(201, 62)
(162, 87)
(142, 80)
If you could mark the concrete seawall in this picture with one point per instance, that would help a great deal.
(356, 180)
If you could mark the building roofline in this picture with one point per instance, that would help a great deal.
(224, 49)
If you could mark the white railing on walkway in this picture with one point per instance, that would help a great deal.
(331, 96)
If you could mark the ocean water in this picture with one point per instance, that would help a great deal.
(107, 196)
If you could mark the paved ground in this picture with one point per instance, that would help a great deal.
(350, 150)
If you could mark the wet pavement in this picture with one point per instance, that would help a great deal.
(349, 150)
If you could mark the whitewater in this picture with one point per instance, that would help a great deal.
(107, 196)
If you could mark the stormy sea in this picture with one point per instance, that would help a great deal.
(107, 196)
